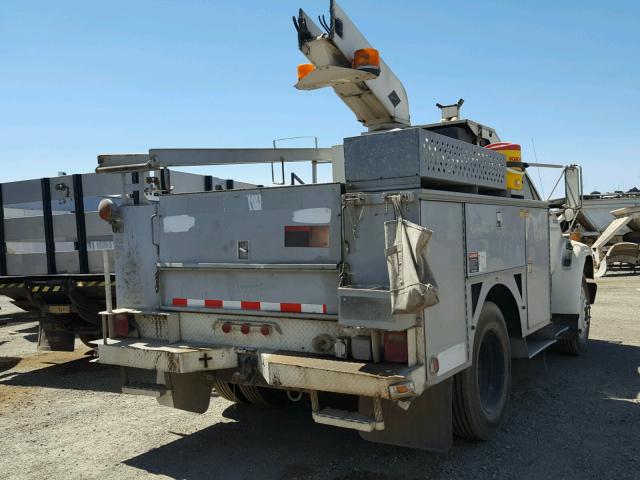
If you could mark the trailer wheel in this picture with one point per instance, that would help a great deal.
(229, 391)
(480, 392)
(576, 343)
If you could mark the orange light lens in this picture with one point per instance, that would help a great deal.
(366, 59)
(305, 69)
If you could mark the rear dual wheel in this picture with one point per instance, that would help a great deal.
(229, 391)
(480, 392)
(262, 397)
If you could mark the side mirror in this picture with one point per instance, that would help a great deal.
(573, 186)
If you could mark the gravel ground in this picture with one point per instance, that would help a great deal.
(569, 417)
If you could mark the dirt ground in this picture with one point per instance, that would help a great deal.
(569, 417)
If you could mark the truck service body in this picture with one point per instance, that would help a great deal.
(408, 284)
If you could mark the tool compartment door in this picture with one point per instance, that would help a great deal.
(495, 238)
(262, 247)
(538, 267)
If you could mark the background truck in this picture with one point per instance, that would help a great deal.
(609, 223)
(51, 243)
(395, 297)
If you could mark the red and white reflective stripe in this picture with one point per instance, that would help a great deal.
(244, 305)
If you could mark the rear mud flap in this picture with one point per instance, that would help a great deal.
(427, 424)
(186, 391)
(56, 336)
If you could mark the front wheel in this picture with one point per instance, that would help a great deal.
(480, 392)
(576, 341)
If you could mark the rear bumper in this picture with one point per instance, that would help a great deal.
(294, 371)
(174, 358)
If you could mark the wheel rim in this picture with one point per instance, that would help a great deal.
(585, 317)
(491, 373)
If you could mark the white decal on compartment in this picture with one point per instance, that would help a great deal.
(255, 202)
(452, 357)
(312, 215)
(178, 223)
(482, 261)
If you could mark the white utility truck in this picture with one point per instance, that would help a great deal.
(407, 286)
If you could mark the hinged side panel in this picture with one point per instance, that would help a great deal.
(253, 226)
(446, 322)
(538, 268)
(271, 251)
(495, 238)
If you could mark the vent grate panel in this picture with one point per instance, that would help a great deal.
(455, 161)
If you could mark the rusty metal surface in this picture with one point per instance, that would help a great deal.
(334, 376)
(292, 334)
(165, 357)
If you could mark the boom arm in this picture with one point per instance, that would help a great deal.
(379, 101)
(190, 157)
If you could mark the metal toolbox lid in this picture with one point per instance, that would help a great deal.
(370, 307)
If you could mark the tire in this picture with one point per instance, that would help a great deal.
(264, 397)
(249, 394)
(229, 391)
(480, 392)
(577, 340)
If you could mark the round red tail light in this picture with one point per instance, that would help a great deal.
(245, 328)
(226, 327)
(265, 330)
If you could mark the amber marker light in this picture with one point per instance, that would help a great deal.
(367, 59)
(305, 69)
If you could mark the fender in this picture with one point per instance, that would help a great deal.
(567, 278)
(516, 321)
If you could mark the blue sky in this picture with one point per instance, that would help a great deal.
(80, 78)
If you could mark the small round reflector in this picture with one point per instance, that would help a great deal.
(105, 209)
(305, 69)
(367, 59)
(402, 389)
(226, 327)
(245, 328)
(265, 330)
(434, 365)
